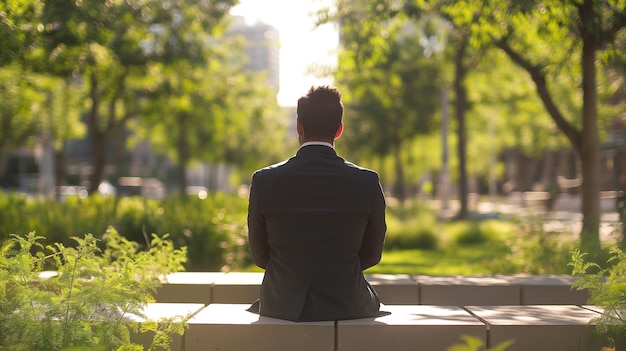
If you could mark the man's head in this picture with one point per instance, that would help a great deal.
(319, 115)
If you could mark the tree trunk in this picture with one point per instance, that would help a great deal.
(97, 138)
(590, 148)
(399, 190)
(183, 153)
(461, 107)
(59, 167)
(120, 153)
(585, 142)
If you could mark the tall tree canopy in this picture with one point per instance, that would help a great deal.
(545, 38)
(391, 75)
(105, 43)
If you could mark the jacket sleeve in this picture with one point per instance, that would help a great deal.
(374, 237)
(257, 232)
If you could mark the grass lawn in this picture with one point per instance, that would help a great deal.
(469, 260)
(458, 260)
(419, 243)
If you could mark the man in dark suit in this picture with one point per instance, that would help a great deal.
(315, 223)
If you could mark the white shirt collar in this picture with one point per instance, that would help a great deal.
(317, 143)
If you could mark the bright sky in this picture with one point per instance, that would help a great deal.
(301, 44)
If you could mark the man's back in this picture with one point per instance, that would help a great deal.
(316, 222)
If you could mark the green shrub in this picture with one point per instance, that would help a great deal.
(607, 288)
(476, 232)
(469, 233)
(425, 239)
(411, 227)
(88, 300)
(535, 250)
(214, 229)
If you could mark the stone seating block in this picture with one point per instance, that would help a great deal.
(395, 289)
(548, 289)
(158, 311)
(466, 290)
(190, 287)
(229, 327)
(237, 287)
(538, 327)
(409, 327)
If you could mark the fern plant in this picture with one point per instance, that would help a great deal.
(607, 287)
(89, 298)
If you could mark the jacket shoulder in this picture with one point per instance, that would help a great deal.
(269, 169)
(363, 170)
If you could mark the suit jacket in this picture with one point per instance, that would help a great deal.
(315, 223)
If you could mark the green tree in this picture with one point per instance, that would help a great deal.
(392, 73)
(464, 55)
(507, 119)
(214, 112)
(35, 107)
(18, 30)
(20, 106)
(543, 38)
(108, 43)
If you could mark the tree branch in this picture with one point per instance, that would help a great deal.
(574, 135)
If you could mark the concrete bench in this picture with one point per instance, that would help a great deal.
(237, 287)
(244, 287)
(229, 327)
(190, 287)
(395, 289)
(160, 311)
(467, 290)
(539, 327)
(409, 327)
(403, 289)
(547, 289)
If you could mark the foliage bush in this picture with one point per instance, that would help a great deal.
(88, 299)
(607, 288)
(469, 233)
(416, 226)
(535, 250)
(411, 226)
(213, 229)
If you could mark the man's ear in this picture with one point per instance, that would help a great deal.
(299, 127)
(339, 131)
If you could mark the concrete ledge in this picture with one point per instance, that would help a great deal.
(409, 327)
(547, 289)
(229, 327)
(539, 327)
(159, 311)
(395, 289)
(467, 290)
(190, 287)
(237, 287)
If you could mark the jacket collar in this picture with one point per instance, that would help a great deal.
(318, 143)
(316, 148)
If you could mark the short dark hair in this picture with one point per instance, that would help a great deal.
(320, 112)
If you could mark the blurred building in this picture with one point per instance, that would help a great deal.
(262, 49)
